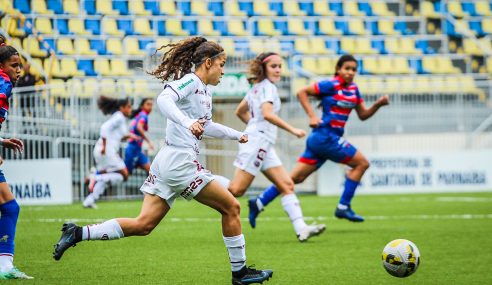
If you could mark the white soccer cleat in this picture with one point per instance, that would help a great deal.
(14, 273)
(310, 231)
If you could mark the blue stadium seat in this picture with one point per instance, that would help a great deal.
(342, 26)
(48, 44)
(142, 44)
(450, 29)
(476, 25)
(27, 26)
(23, 6)
(337, 8)
(246, 7)
(308, 7)
(125, 26)
(62, 26)
(277, 7)
(90, 7)
(424, 46)
(217, 8)
(281, 26)
(161, 28)
(469, 7)
(379, 46)
(373, 28)
(55, 5)
(121, 6)
(333, 45)
(99, 46)
(366, 8)
(190, 26)
(402, 27)
(94, 26)
(185, 7)
(152, 6)
(86, 66)
(220, 26)
(416, 65)
(437, 7)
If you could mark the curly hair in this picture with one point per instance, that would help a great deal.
(257, 67)
(110, 105)
(180, 58)
(343, 59)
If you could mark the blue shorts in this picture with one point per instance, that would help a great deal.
(134, 157)
(2, 177)
(321, 147)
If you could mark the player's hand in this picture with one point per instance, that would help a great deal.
(1, 160)
(314, 122)
(383, 100)
(243, 138)
(103, 151)
(197, 129)
(16, 144)
(151, 147)
(299, 133)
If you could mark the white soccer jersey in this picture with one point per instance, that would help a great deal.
(262, 92)
(114, 129)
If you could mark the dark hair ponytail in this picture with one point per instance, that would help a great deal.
(180, 58)
(140, 106)
(6, 52)
(343, 59)
(110, 105)
(257, 67)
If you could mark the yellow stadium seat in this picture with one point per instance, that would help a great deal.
(392, 45)
(326, 65)
(296, 26)
(483, 8)
(39, 7)
(427, 10)
(291, 8)
(400, 65)
(348, 45)
(200, 8)
(105, 7)
(454, 8)
(205, 27)
(132, 48)
(487, 25)
(53, 68)
(69, 67)
(309, 64)
(37, 67)
(468, 84)
(110, 27)
(71, 7)
(356, 27)
(108, 87)
(381, 9)
(273, 45)
(407, 46)
(82, 47)
(160, 42)
(229, 47)
(58, 88)
(142, 27)
(125, 87)
(318, 46)
(232, 8)
(327, 27)
(471, 47)
(266, 27)
(257, 45)
(65, 45)
(445, 65)
(114, 46)
(8, 6)
(285, 69)
(321, 8)
(119, 67)
(386, 27)
(75, 85)
(15, 42)
(43, 25)
(101, 66)
(452, 84)
(31, 45)
(363, 46)
(136, 7)
(11, 25)
(76, 26)
(297, 84)
(407, 84)
(371, 65)
(392, 84)
(91, 88)
(168, 7)
(302, 45)
(430, 64)
(375, 85)
(236, 27)
(261, 7)
(141, 87)
(423, 85)
(385, 65)
(438, 84)
(351, 8)
(362, 84)
(174, 27)
(486, 44)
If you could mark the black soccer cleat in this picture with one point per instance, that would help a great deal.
(249, 275)
(68, 239)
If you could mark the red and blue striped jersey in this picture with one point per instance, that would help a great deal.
(337, 101)
(5, 94)
(141, 117)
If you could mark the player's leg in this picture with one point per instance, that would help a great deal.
(9, 210)
(218, 198)
(143, 161)
(154, 208)
(240, 183)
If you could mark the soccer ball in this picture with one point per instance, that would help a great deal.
(401, 258)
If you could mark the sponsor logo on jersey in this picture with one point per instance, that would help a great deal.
(5, 238)
(185, 84)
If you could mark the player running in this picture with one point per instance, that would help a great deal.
(338, 97)
(186, 102)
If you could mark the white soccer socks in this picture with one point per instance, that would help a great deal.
(291, 206)
(6, 262)
(105, 231)
(237, 251)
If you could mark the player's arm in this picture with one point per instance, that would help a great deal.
(143, 134)
(365, 113)
(303, 97)
(12, 143)
(242, 111)
(216, 130)
(270, 116)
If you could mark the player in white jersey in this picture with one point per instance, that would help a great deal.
(109, 164)
(259, 111)
(176, 171)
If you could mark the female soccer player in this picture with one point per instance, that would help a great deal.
(187, 104)
(259, 111)
(9, 73)
(134, 156)
(338, 97)
(110, 166)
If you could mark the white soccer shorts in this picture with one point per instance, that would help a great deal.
(256, 155)
(111, 161)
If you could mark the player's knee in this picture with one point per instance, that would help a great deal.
(233, 209)
(298, 179)
(364, 165)
(147, 228)
(286, 187)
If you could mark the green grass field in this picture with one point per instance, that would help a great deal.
(452, 231)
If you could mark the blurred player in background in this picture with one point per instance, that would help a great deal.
(259, 110)
(134, 155)
(10, 68)
(338, 96)
(186, 102)
(109, 164)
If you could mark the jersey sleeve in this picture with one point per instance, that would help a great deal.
(183, 87)
(268, 93)
(5, 91)
(323, 88)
